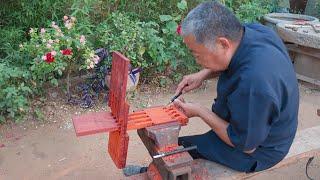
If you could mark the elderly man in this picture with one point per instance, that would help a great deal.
(254, 117)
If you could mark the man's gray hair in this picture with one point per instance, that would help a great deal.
(210, 20)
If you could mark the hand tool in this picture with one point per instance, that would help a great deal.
(174, 152)
(175, 97)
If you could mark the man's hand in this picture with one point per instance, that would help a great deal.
(190, 82)
(218, 125)
(189, 109)
(194, 81)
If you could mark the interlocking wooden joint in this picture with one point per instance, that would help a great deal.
(119, 121)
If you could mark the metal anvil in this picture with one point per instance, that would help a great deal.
(164, 138)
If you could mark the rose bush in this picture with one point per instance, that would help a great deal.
(56, 51)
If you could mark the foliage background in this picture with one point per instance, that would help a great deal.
(144, 30)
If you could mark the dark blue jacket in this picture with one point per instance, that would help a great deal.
(258, 95)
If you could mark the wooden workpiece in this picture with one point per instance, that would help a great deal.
(99, 122)
(119, 121)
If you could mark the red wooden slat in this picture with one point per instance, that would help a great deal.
(118, 140)
(93, 123)
(118, 145)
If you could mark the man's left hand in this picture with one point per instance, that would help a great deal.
(189, 109)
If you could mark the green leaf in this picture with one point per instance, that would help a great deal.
(172, 26)
(177, 18)
(182, 5)
(54, 82)
(26, 89)
(59, 72)
(12, 114)
(142, 50)
(164, 18)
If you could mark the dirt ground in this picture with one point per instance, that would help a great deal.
(49, 149)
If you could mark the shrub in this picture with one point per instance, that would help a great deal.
(13, 92)
(10, 39)
(180, 56)
(54, 50)
(151, 45)
(121, 33)
(250, 10)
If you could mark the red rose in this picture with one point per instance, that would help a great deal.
(66, 52)
(179, 30)
(49, 58)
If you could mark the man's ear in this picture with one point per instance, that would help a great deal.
(224, 42)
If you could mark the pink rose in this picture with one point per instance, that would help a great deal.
(68, 25)
(53, 53)
(82, 39)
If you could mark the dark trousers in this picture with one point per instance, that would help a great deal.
(212, 148)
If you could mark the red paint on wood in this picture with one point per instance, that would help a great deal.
(93, 123)
(119, 139)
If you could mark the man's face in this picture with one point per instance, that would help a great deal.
(208, 58)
